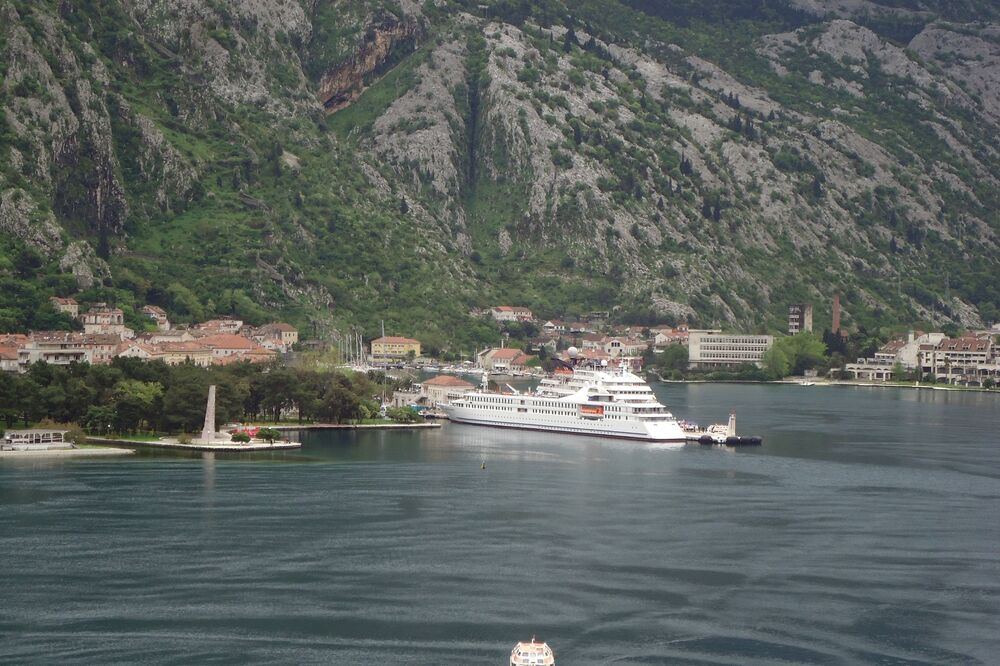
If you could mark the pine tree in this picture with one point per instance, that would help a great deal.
(570, 41)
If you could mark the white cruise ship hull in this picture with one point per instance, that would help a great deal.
(654, 431)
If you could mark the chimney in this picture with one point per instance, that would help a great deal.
(836, 313)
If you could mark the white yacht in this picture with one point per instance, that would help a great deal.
(597, 400)
(532, 654)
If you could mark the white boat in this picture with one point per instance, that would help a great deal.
(596, 400)
(532, 654)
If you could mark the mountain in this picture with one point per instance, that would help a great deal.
(337, 162)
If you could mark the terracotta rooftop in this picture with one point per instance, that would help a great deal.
(8, 353)
(227, 341)
(966, 343)
(506, 353)
(396, 340)
(448, 380)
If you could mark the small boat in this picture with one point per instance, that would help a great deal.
(532, 654)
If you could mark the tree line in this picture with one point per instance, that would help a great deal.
(131, 395)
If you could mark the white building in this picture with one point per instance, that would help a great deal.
(511, 313)
(905, 352)
(713, 348)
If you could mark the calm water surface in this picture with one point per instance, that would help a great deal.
(865, 530)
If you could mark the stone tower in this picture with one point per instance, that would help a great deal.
(208, 432)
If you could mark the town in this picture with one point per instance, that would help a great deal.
(527, 344)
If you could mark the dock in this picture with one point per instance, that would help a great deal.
(82, 452)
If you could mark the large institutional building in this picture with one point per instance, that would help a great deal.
(707, 349)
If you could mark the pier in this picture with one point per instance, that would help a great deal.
(217, 446)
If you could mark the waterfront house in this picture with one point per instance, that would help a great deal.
(504, 359)
(444, 388)
(965, 360)
(394, 348)
(616, 347)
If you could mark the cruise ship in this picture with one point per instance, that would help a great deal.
(600, 400)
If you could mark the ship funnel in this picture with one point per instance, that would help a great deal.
(731, 429)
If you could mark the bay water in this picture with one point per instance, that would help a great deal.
(866, 530)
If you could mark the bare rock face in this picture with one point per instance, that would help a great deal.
(19, 218)
(81, 260)
(230, 43)
(343, 82)
(973, 59)
(423, 129)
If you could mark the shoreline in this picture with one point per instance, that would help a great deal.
(834, 382)
(83, 452)
(221, 447)
(355, 426)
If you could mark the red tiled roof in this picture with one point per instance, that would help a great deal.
(228, 341)
(966, 343)
(506, 353)
(448, 380)
(8, 353)
(396, 340)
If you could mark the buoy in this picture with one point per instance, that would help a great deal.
(483, 466)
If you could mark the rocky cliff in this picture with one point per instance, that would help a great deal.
(342, 162)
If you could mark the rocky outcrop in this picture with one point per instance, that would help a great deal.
(81, 260)
(19, 218)
(971, 56)
(383, 43)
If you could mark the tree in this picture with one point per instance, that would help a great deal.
(135, 402)
(673, 359)
(403, 414)
(799, 352)
(776, 362)
(269, 434)
(241, 437)
(899, 373)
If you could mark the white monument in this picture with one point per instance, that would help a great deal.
(208, 431)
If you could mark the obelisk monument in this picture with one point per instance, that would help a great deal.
(208, 432)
